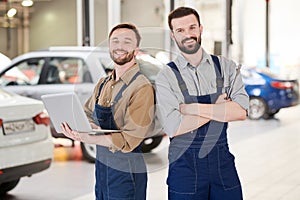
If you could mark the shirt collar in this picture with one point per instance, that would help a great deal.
(206, 58)
(183, 63)
(128, 75)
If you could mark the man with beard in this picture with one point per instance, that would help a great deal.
(122, 101)
(198, 94)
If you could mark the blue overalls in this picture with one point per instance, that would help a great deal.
(200, 164)
(118, 175)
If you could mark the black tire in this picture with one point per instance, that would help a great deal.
(88, 152)
(257, 108)
(151, 143)
(270, 115)
(7, 186)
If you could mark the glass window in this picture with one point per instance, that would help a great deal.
(26, 72)
(71, 70)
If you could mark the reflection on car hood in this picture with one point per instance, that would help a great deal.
(10, 99)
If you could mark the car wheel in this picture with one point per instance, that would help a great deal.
(257, 108)
(150, 143)
(270, 115)
(88, 151)
(7, 186)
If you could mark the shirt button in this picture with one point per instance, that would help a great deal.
(112, 86)
(107, 101)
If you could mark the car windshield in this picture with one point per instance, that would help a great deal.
(268, 72)
(251, 77)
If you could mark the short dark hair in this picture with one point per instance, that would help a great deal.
(127, 26)
(182, 12)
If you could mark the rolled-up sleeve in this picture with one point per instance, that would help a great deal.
(238, 92)
(167, 103)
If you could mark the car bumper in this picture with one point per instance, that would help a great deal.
(24, 154)
(14, 173)
(283, 99)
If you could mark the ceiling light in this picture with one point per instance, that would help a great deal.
(27, 3)
(11, 12)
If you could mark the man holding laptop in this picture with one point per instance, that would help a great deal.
(123, 101)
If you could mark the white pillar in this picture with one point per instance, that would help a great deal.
(114, 13)
(20, 38)
(241, 21)
(190, 3)
(79, 22)
(26, 23)
(92, 22)
(167, 45)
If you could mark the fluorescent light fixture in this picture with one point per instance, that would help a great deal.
(11, 12)
(27, 3)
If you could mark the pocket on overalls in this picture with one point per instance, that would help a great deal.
(227, 169)
(182, 178)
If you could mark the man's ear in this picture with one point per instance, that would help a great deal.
(136, 51)
(172, 35)
(201, 28)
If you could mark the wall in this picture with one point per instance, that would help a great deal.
(284, 34)
(9, 47)
(53, 23)
(148, 16)
(53, 26)
(101, 18)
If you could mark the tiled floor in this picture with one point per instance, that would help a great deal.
(269, 163)
(267, 158)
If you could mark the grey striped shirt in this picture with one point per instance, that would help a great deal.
(200, 80)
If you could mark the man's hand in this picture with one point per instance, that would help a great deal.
(223, 98)
(74, 135)
(103, 140)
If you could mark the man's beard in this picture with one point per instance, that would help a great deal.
(190, 49)
(123, 59)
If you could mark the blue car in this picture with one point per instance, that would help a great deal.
(268, 93)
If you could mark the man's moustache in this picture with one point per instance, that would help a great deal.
(186, 39)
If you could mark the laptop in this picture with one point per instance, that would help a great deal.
(66, 107)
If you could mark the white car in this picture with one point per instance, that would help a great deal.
(66, 69)
(26, 145)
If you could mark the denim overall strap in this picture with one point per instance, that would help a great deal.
(191, 99)
(187, 97)
(120, 93)
(219, 78)
(208, 134)
(100, 88)
(108, 111)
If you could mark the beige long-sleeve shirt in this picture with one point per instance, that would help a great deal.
(133, 113)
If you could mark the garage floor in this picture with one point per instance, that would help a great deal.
(267, 158)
